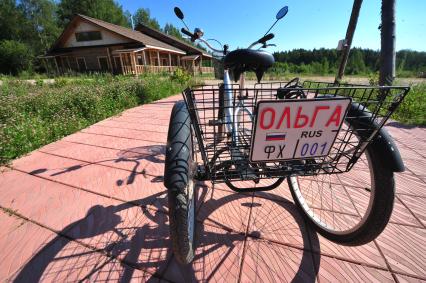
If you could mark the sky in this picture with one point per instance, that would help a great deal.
(309, 23)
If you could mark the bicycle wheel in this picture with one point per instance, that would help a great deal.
(178, 178)
(351, 208)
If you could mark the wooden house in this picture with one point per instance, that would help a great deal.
(92, 45)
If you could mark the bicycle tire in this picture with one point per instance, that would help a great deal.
(178, 178)
(378, 212)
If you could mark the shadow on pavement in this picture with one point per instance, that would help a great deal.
(120, 242)
(129, 241)
(403, 126)
(153, 154)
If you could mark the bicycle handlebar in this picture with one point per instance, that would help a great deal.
(194, 37)
(263, 40)
(188, 33)
(209, 46)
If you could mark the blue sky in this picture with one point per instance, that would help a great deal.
(309, 23)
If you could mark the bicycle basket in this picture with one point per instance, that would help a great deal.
(227, 159)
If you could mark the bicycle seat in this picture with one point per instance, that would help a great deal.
(242, 60)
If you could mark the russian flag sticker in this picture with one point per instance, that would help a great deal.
(275, 137)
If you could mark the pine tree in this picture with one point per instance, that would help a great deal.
(143, 16)
(106, 10)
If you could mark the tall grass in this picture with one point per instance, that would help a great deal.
(412, 110)
(34, 115)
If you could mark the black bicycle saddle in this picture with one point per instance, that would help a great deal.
(242, 60)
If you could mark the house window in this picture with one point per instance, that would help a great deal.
(139, 59)
(103, 63)
(81, 62)
(88, 35)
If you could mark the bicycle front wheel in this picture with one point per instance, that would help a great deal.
(178, 178)
(351, 208)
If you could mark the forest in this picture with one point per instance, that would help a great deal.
(361, 62)
(29, 27)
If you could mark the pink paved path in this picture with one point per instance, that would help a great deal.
(92, 207)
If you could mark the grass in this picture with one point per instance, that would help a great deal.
(412, 110)
(34, 115)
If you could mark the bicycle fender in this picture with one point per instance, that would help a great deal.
(383, 144)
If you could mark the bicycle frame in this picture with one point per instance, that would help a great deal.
(232, 112)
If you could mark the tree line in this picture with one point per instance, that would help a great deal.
(28, 28)
(360, 62)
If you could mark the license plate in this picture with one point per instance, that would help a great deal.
(296, 129)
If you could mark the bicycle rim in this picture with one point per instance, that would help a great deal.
(339, 204)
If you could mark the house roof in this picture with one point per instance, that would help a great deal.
(189, 58)
(146, 40)
(191, 49)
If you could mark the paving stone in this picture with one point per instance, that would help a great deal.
(417, 166)
(139, 237)
(334, 270)
(279, 193)
(267, 262)
(401, 215)
(408, 184)
(33, 253)
(404, 249)
(217, 258)
(108, 142)
(79, 187)
(111, 182)
(365, 254)
(147, 159)
(62, 208)
(144, 127)
(19, 241)
(226, 210)
(408, 279)
(417, 206)
(126, 133)
(279, 221)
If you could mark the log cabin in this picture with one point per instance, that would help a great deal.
(92, 45)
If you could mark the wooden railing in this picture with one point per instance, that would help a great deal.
(159, 69)
(127, 70)
(140, 69)
(205, 70)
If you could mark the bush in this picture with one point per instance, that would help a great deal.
(15, 57)
(156, 87)
(373, 79)
(181, 76)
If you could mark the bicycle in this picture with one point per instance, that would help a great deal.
(314, 135)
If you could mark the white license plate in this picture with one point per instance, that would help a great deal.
(296, 129)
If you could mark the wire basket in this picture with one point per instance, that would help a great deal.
(227, 159)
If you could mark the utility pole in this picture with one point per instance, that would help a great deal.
(348, 39)
(387, 51)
